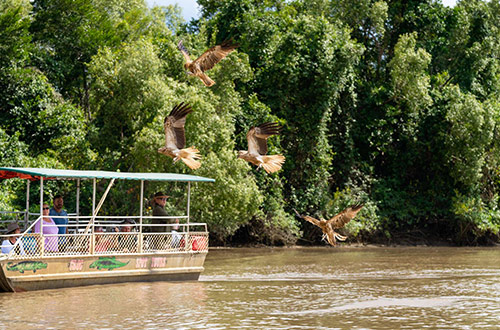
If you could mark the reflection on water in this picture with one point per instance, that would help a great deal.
(303, 288)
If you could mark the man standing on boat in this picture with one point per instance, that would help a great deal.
(159, 201)
(62, 223)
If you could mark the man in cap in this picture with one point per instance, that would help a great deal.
(8, 244)
(159, 201)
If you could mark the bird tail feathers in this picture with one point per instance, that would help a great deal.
(206, 80)
(189, 156)
(272, 163)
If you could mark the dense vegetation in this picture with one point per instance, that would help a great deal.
(393, 103)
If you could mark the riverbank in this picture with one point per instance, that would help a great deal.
(343, 246)
(401, 239)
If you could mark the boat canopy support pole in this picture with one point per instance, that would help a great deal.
(42, 241)
(103, 198)
(140, 216)
(90, 226)
(188, 206)
(93, 195)
(77, 202)
(26, 213)
(189, 201)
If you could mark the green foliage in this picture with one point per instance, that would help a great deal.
(474, 47)
(14, 36)
(475, 219)
(409, 73)
(470, 132)
(311, 64)
(125, 96)
(12, 151)
(391, 103)
(48, 120)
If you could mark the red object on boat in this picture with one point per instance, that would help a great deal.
(198, 242)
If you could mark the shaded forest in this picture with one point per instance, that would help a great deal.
(391, 103)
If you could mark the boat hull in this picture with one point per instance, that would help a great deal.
(71, 271)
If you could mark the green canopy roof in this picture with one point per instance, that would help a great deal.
(54, 174)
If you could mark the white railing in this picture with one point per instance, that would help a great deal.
(16, 213)
(108, 236)
(12, 216)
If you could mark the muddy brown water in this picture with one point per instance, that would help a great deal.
(287, 288)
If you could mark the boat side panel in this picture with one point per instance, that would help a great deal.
(75, 282)
(77, 271)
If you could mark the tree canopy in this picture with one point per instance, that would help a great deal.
(391, 103)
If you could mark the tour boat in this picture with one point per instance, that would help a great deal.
(87, 254)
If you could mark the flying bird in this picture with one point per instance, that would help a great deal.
(175, 140)
(257, 148)
(207, 60)
(338, 221)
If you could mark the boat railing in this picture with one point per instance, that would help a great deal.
(110, 236)
(20, 217)
(78, 223)
(16, 214)
(11, 216)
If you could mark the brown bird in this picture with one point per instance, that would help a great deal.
(207, 60)
(257, 148)
(175, 139)
(338, 221)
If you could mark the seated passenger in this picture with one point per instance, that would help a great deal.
(49, 228)
(127, 243)
(8, 244)
(176, 237)
(102, 242)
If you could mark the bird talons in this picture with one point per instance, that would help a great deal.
(340, 237)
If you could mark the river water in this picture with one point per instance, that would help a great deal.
(287, 288)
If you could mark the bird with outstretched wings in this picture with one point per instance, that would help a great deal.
(207, 60)
(257, 148)
(175, 139)
(336, 222)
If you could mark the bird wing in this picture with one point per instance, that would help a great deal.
(257, 137)
(214, 55)
(311, 220)
(170, 138)
(341, 219)
(184, 51)
(174, 125)
(297, 214)
(307, 218)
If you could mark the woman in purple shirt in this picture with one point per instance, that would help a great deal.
(49, 228)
